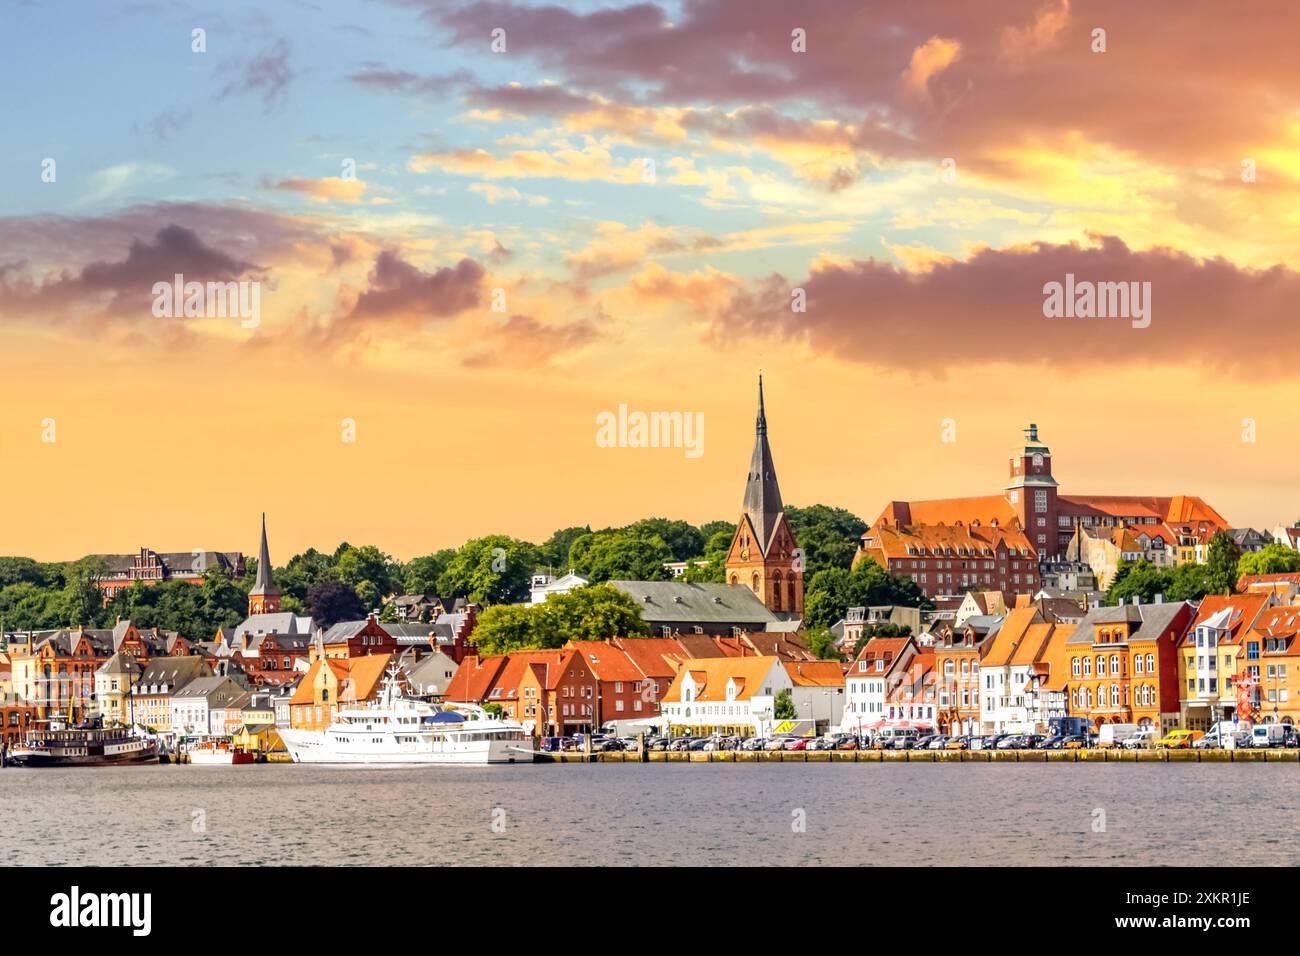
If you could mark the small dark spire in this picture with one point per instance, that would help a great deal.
(761, 423)
(762, 494)
(264, 585)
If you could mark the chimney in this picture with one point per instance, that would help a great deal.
(1160, 599)
(1137, 599)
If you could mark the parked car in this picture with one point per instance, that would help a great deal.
(753, 743)
(1180, 739)
(1013, 742)
(699, 743)
(937, 742)
(1143, 738)
(797, 743)
(681, 743)
(608, 745)
(1076, 742)
(990, 742)
(1110, 735)
(847, 743)
(897, 738)
(957, 743)
(923, 742)
(776, 743)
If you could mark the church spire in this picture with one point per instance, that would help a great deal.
(762, 494)
(264, 596)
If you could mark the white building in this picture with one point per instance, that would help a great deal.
(199, 707)
(548, 584)
(726, 695)
(871, 676)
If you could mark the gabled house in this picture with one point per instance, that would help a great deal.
(726, 695)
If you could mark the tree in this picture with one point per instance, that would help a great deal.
(593, 613)
(81, 601)
(302, 571)
(712, 569)
(783, 706)
(329, 602)
(1271, 559)
(495, 569)
(503, 628)
(1222, 563)
(821, 641)
(420, 576)
(621, 554)
(555, 549)
(369, 571)
(831, 592)
(827, 536)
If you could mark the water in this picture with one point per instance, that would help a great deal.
(627, 814)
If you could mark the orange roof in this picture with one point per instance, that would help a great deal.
(607, 661)
(653, 656)
(363, 672)
(1279, 621)
(815, 673)
(1254, 580)
(985, 509)
(711, 676)
(1246, 608)
(940, 539)
(474, 678)
(1009, 636)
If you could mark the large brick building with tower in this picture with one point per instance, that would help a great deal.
(951, 545)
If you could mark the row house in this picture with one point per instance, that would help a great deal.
(1016, 696)
(1270, 667)
(551, 692)
(16, 720)
(870, 679)
(913, 699)
(332, 683)
(734, 696)
(1124, 664)
(200, 707)
(959, 653)
(1211, 655)
(151, 695)
(270, 660)
(348, 639)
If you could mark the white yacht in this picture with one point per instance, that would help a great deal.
(399, 730)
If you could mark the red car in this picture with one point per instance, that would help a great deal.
(799, 743)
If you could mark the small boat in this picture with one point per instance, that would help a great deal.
(219, 752)
(88, 744)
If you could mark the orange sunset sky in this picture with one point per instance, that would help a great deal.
(519, 178)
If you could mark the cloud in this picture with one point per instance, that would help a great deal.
(988, 308)
(267, 75)
(325, 189)
(524, 342)
(929, 60)
(400, 291)
(495, 194)
(592, 161)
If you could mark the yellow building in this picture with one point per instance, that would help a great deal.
(333, 682)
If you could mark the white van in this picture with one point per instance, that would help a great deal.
(1225, 735)
(1268, 735)
(1112, 735)
(1140, 739)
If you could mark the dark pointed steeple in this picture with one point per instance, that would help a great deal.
(264, 596)
(762, 494)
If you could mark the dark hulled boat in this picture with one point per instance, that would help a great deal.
(86, 745)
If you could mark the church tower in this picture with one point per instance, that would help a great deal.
(264, 597)
(1031, 492)
(763, 554)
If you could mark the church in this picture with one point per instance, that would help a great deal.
(763, 590)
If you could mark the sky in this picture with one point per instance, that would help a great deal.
(475, 227)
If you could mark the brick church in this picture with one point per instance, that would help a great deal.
(764, 556)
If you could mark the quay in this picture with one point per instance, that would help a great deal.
(1245, 755)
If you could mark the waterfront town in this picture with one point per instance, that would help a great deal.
(1013, 632)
